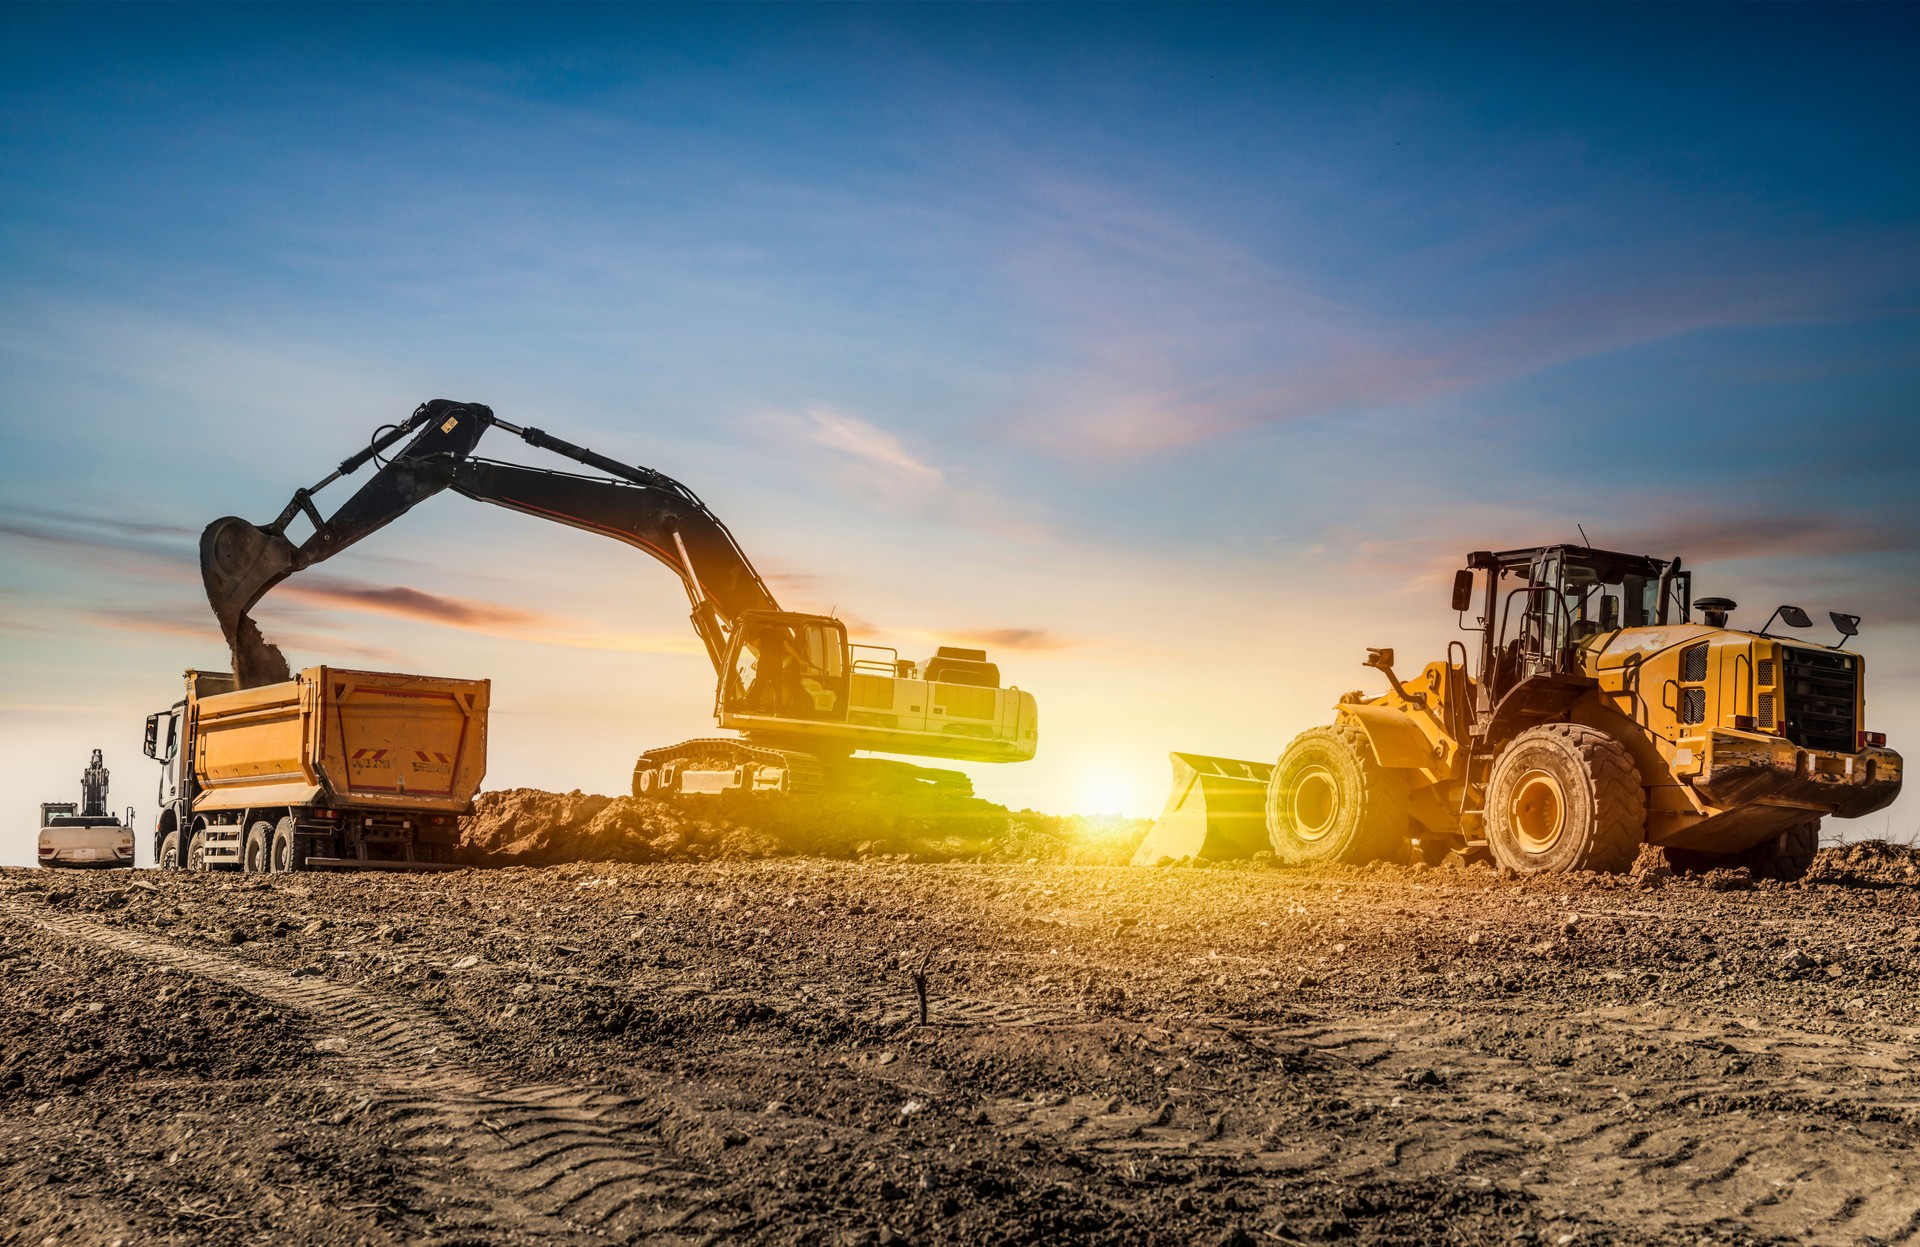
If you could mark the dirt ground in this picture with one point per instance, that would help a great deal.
(732, 1051)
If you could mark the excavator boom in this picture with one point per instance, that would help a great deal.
(240, 561)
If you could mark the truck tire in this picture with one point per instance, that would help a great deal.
(1330, 801)
(197, 852)
(256, 851)
(284, 853)
(1565, 797)
(168, 858)
(1787, 856)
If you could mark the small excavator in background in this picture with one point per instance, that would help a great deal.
(801, 696)
(87, 834)
(1598, 716)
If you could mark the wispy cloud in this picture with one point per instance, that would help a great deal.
(850, 435)
(1169, 334)
(1029, 640)
(400, 602)
(168, 556)
(876, 467)
(472, 615)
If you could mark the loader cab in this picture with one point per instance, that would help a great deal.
(1542, 605)
(788, 666)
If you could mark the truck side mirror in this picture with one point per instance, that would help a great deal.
(1609, 614)
(1462, 590)
(1849, 625)
(153, 736)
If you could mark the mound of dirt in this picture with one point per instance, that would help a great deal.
(1867, 861)
(526, 826)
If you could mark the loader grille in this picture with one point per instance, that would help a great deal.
(1693, 666)
(1821, 692)
(1763, 711)
(1763, 672)
(1693, 705)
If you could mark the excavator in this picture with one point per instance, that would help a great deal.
(800, 697)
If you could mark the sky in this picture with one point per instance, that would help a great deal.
(1173, 354)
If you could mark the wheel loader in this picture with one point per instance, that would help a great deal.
(1599, 707)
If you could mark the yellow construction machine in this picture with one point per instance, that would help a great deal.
(803, 697)
(1599, 714)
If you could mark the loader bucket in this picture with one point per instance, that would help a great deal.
(1217, 810)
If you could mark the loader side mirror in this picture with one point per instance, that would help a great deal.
(1609, 614)
(1794, 617)
(153, 736)
(1849, 625)
(1462, 590)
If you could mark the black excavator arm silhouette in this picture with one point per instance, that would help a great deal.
(241, 561)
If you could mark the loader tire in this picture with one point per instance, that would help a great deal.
(169, 856)
(1330, 801)
(1565, 797)
(1787, 856)
(256, 851)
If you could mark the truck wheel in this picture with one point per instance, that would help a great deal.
(169, 856)
(1787, 856)
(1565, 797)
(1330, 800)
(197, 851)
(284, 853)
(254, 854)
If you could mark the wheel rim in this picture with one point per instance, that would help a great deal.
(1316, 800)
(1537, 811)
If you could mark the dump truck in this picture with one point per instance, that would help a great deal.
(804, 698)
(1598, 715)
(331, 769)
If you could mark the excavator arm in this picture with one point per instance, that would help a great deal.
(241, 561)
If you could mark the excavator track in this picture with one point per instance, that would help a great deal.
(712, 765)
(715, 765)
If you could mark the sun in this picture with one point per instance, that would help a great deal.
(1109, 790)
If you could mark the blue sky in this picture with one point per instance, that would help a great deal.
(1179, 351)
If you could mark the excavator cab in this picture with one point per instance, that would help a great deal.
(787, 666)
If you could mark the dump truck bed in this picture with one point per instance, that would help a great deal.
(343, 738)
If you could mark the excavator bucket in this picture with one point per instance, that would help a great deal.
(1217, 810)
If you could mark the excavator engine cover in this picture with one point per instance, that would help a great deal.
(1216, 810)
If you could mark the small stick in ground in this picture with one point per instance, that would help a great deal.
(920, 984)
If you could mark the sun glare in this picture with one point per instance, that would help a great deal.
(1109, 790)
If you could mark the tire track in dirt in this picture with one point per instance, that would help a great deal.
(571, 1164)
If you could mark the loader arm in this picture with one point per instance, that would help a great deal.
(240, 561)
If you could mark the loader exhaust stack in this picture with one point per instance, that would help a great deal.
(1217, 810)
